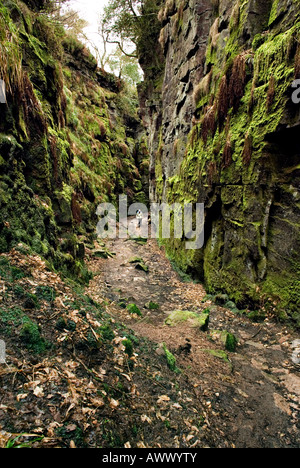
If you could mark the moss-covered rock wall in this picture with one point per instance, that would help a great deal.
(70, 138)
(223, 130)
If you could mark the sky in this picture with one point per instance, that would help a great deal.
(90, 10)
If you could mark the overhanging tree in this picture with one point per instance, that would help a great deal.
(130, 23)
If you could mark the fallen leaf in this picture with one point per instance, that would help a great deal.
(71, 427)
(38, 430)
(141, 445)
(146, 418)
(127, 377)
(38, 392)
(162, 399)
(177, 406)
(194, 429)
(113, 403)
(22, 396)
(159, 416)
(99, 403)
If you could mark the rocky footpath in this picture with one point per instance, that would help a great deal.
(241, 367)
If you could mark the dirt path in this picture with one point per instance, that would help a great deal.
(253, 399)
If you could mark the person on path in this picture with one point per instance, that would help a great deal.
(139, 217)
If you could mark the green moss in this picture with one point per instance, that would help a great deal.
(9, 272)
(30, 336)
(194, 320)
(283, 288)
(107, 332)
(11, 319)
(258, 40)
(152, 305)
(128, 347)
(171, 360)
(46, 293)
(229, 340)
(218, 354)
(274, 12)
(133, 309)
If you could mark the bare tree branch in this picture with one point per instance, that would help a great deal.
(132, 9)
(121, 49)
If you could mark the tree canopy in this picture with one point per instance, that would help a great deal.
(129, 22)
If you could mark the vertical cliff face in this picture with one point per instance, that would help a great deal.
(222, 129)
(70, 138)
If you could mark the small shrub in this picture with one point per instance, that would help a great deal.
(31, 301)
(46, 293)
(152, 305)
(133, 309)
(128, 347)
(31, 338)
(9, 272)
(107, 332)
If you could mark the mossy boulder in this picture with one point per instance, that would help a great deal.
(171, 360)
(192, 319)
(227, 339)
(142, 267)
(232, 306)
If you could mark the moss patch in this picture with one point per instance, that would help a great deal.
(191, 318)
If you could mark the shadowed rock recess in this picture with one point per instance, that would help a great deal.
(223, 130)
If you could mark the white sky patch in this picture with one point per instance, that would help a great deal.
(90, 10)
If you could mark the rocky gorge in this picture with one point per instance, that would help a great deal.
(135, 342)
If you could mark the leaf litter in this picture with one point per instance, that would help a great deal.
(237, 391)
(86, 387)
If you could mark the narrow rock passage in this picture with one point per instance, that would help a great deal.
(251, 396)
